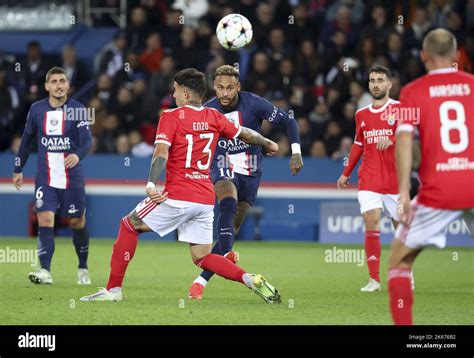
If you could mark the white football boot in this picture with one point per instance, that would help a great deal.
(104, 295)
(372, 286)
(41, 277)
(83, 277)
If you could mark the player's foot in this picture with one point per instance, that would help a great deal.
(233, 256)
(83, 277)
(262, 287)
(195, 292)
(41, 277)
(372, 286)
(104, 295)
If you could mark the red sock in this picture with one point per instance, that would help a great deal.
(372, 253)
(123, 251)
(221, 266)
(401, 296)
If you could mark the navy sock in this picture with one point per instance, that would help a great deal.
(45, 246)
(225, 230)
(80, 239)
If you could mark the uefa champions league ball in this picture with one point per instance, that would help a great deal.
(234, 31)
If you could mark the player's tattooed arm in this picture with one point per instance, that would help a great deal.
(252, 137)
(158, 164)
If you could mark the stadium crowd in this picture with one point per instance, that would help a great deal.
(308, 57)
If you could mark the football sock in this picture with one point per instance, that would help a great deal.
(45, 246)
(122, 254)
(221, 266)
(401, 296)
(372, 253)
(80, 239)
(225, 230)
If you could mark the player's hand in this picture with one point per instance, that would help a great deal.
(71, 160)
(404, 208)
(296, 163)
(342, 182)
(271, 149)
(18, 180)
(156, 195)
(384, 144)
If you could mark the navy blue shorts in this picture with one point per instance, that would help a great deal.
(71, 202)
(247, 186)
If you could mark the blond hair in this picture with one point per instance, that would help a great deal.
(227, 70)
(440, 43)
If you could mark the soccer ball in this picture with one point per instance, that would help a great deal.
(234, 31)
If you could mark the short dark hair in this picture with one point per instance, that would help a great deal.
(192, 79)
(55, 71)
(381, 69)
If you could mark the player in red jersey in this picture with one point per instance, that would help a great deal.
(378, 188)
(185, 142)
(441, 105)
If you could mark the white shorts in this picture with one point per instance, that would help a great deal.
(428, 226)
(194, 221)
(369, 200)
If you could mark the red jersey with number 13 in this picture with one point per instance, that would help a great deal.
(192, 134)
(441, 105)
(378, 172)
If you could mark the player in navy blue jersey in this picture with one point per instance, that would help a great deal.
(61, 128)
(237, 167)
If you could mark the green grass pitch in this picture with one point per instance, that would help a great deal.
(313, 291)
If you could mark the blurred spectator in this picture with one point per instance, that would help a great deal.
(138, 29)
(107, 136)
(159, 85)
(122, 145)
(344, 149)
(261, 30)
(260, 72)
(283, 146)
(151, 57)
(76, 72)
(318, 149)
(308, 63)
(125, 106)
(348, 119)
(379, 28)
(413, 36)
(332, 137)
(395, 54)
(192, 10)
(286, 75)
(341, 26)
(278, 47)
(303, 26)
(188, 53)
(359, 96)
(355, 8)
(306, 133)
(172, 30)
(439, 10)
(7, 106)
(104, 88)
(112, 57)
(34, 72)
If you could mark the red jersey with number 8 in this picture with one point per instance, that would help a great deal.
(441, 105)
(192, 134)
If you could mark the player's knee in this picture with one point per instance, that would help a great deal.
(77, 223)
(224, 189)
(45, 220)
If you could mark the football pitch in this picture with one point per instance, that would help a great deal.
(314, 291)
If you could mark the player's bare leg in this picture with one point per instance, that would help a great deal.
(400, 281)
(372, 248)
(45, 248)
(226, 194)
(80, 239)
(202, 257)
(123, 251)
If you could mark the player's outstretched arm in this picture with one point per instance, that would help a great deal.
(158, 165)
(252, 137)
(403, 153)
